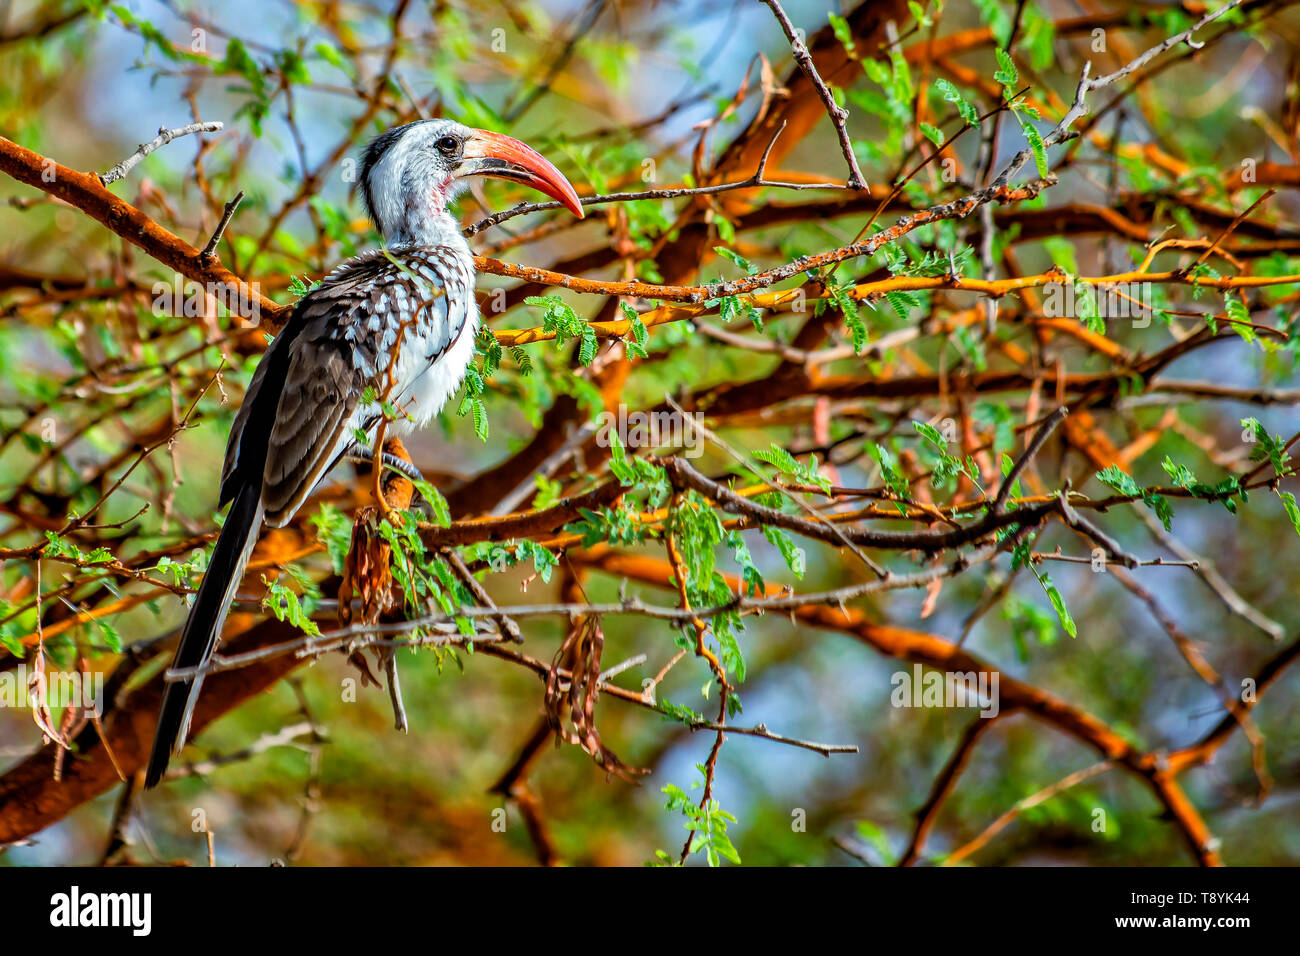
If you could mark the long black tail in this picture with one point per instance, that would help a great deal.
(203, 629)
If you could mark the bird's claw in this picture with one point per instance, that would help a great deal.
(363, 454)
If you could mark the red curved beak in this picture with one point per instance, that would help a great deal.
(502, 157)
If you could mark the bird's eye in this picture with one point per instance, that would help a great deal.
(447, 145)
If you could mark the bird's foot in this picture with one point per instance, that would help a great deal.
(363, 454)
(366, 455)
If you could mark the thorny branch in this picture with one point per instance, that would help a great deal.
(836, 112)
(164, 137)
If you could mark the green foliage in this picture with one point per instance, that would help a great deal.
(1268, 448)
(1007, 74)
(843, 33)
(284, 603)
(787, 464)
(951, 94)
(1021, 559)
(1116, 478)
(697, 532)
(733, 307)
(334, 530)
(1027, 620)
(559, 318)
(843, 301)
(893, 476)
(707, 825)
(945, 467)
(1239, 319)
(636, 347)
(1223, 492)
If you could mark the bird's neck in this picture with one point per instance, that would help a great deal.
(426, 224)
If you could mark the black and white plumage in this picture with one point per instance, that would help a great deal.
(399, 322)
(395, 325)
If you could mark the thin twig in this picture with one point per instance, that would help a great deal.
(748, 462)
(284, 737)
(210, 250)
(1030, 451)
(164, 137)
(503, 620)
(836, 112)
(1215, 581)
(757, 180)
(1042, 796)
(1088, 84)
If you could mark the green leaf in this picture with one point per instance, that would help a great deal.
(587, 351)
(640, 335)
(1292, 512)
(779, 458)
(112, 640)
(852, 317)
(1119, 480)
(931, 434)
(893, 476)
(952, 95)
(334, 530)
(1239, 318)
(737, 259)
(1268, 446)
(480, 420)
(1058, 602)
(1007, 75)
(437, 503)
(1036, 146)
(1125, 485)
(330, 54)
(840, 27)
(794, 556)
(902, 303)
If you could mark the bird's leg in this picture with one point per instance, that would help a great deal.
(364, 454)
(395, 459)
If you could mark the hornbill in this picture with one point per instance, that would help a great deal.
(390, 329)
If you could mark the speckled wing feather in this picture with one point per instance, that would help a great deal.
(311, 427)
(304, 403)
